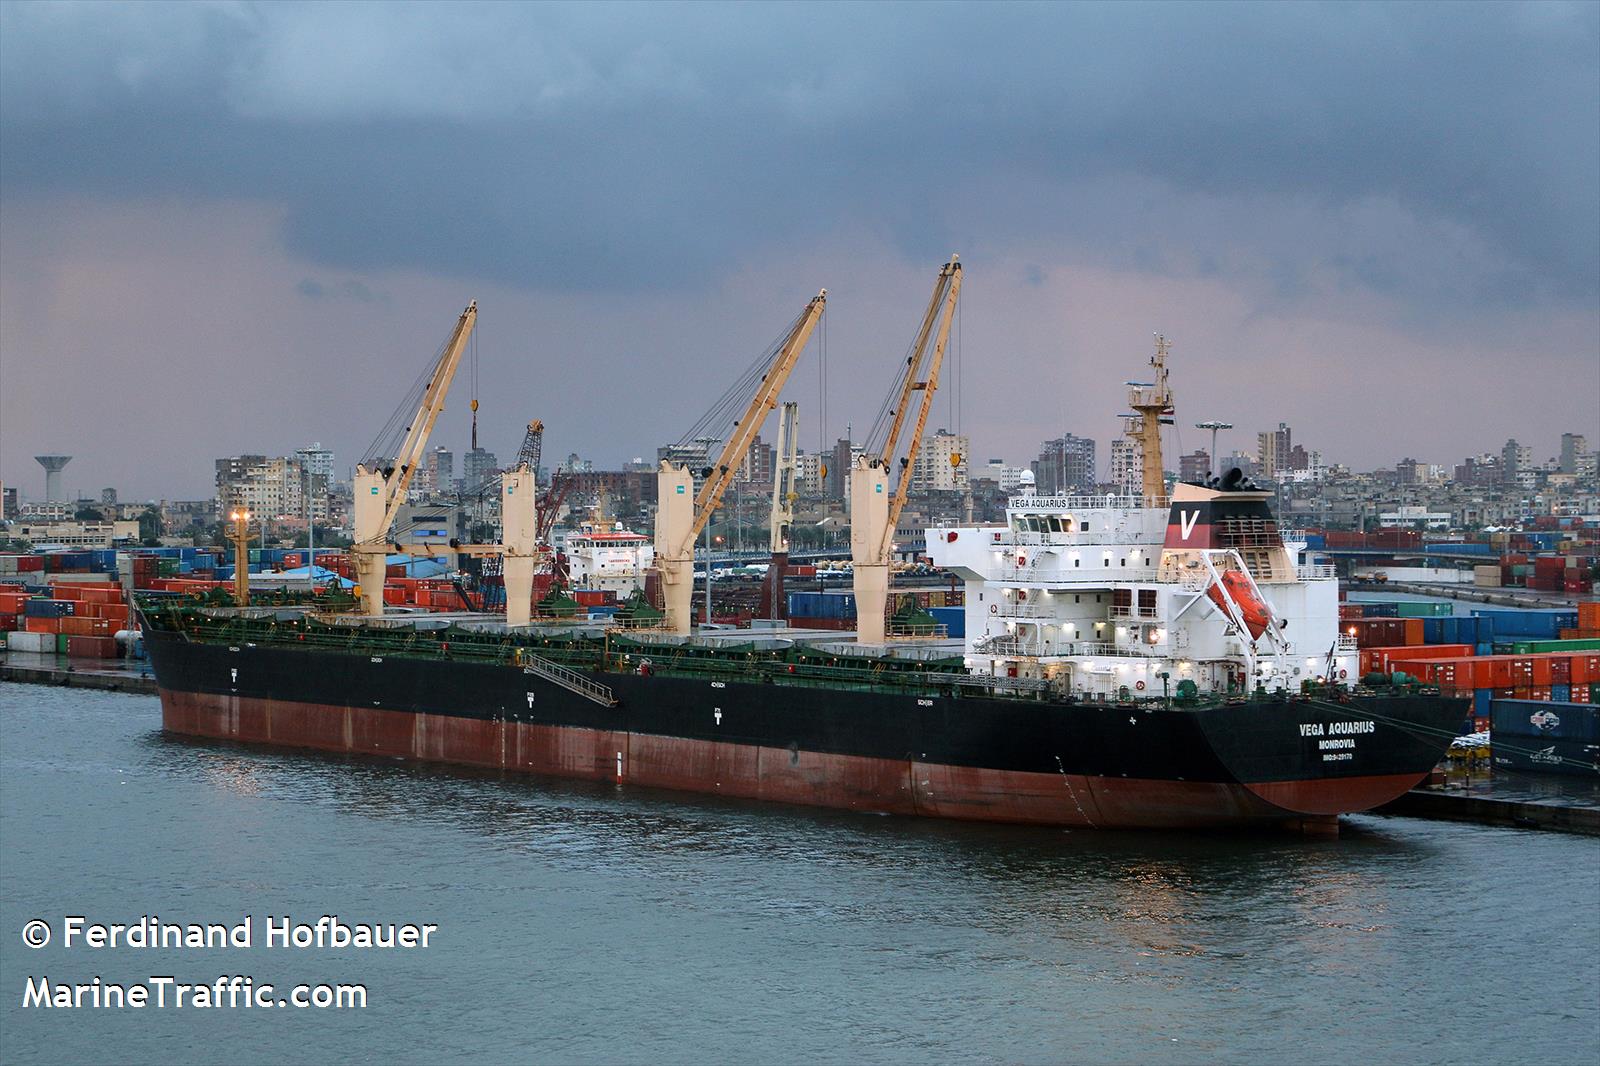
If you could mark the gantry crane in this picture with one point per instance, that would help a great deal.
(874, 514)
(381, 491)
(681, 513)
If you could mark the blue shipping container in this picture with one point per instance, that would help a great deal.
(43, 608)
(1482, 702)
(1463, 548)
(1539, 625)
(954, 619)
(1547, 755)
(1547, 718)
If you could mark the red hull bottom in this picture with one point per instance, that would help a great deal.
(777, 774)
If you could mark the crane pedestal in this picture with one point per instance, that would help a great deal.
(369, 566)
(519, 522)
(869, 520)
(674, 546)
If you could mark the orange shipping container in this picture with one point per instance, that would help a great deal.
(85, 626)
(42, 625)
(1413, 628)
(117, 613)
(1387, 660)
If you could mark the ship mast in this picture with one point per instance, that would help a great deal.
(1153, 402)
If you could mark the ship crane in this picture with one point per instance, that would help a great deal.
(785, 471)
(874, 514)
(681, 513)
(528, 456)
(381, 485)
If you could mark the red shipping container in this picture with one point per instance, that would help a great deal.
(42, 625)
(92, 647)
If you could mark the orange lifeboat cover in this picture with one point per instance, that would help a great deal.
(1254, 609)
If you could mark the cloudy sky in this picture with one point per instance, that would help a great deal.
(235, 227)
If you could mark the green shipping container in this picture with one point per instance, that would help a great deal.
(1540, 647)
(167, 568)
(1423, 609)
(61, 644)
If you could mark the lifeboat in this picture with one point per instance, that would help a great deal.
(1257, 615)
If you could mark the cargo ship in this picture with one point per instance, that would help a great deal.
(1162, 660)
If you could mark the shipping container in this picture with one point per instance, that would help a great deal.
(1384, 660)
(92, 647)
(44, 643)
(954, 619)
(1562, 719)
(1539, 647)
(1537, 624)
(1546, 756)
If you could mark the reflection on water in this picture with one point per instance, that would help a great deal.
(637, 925)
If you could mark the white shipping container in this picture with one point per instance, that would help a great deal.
(22, 640)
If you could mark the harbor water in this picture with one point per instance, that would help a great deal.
(590, 923)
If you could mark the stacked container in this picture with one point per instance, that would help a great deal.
(1546, 737)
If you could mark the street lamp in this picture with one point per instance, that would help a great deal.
(1213, 427)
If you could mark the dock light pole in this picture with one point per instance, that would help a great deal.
(311, 535)
(240, 534)
(1213, 427)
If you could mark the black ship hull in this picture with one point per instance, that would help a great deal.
(980, 758)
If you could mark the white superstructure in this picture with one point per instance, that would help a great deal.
(603, 555)
(1103, 595)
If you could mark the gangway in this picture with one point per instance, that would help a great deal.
(571, 680)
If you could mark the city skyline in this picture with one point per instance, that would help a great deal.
(977, 463)
(199, 219)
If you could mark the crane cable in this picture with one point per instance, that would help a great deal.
(717, 422)
(383, 446)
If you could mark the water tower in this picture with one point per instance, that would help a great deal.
(52, 475)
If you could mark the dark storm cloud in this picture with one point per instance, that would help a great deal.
(1441, 154)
